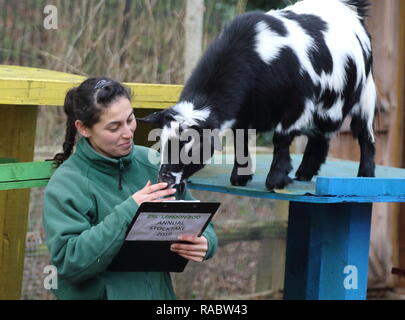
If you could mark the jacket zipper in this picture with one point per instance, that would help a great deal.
(120, 172)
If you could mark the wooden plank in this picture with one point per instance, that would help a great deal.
(25, 175)
(33, 86)
(7, 160)
(215, 177)
(297, 198)
(158, 96)
(17, 138)
(327, 186)
(327, 251)
(26, 171)
(13, 73)
(23, 184)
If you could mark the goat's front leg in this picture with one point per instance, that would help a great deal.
(242, 171)
(281, 164)
(315, 155)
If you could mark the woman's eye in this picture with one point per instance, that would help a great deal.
(113, 129)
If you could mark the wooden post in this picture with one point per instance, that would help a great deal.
(193, 28)
(327, 251)
(401, 118)
(17, 139)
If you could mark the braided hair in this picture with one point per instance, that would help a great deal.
(85, 103)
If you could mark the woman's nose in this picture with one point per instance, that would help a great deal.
(128, 132)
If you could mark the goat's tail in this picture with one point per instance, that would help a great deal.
(362, 6)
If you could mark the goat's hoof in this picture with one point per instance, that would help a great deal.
(240, 180)
(366, 174)
(303, 177)
(367, 171)
(277, 182)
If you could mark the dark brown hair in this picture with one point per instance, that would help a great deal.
(85, 103)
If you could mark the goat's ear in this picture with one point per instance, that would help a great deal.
(155, 117)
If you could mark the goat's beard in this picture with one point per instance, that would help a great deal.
(181, 188)
(178, 180)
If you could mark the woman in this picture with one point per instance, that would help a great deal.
(93, 195)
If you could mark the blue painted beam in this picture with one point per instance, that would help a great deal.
(264, 194)
(360, 187)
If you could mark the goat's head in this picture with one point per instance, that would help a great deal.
(188, 138)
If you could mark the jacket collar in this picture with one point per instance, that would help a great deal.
(100, 162)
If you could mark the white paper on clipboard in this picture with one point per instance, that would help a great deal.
(164, 226)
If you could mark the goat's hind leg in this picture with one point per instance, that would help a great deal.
(365, 137)
(362, 128)
(314, 156)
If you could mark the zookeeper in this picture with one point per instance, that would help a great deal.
(95, 192)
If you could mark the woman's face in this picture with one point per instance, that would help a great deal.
(113, 134)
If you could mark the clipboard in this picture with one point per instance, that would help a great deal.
(154, 254)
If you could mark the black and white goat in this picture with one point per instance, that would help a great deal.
(297, 71)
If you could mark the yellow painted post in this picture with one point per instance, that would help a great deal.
(17, 139)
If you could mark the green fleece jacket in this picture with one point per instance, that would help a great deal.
(87, 211)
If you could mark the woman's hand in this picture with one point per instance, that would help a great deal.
(153, 193)
(195, 251)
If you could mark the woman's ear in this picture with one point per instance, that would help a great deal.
(82, 129)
